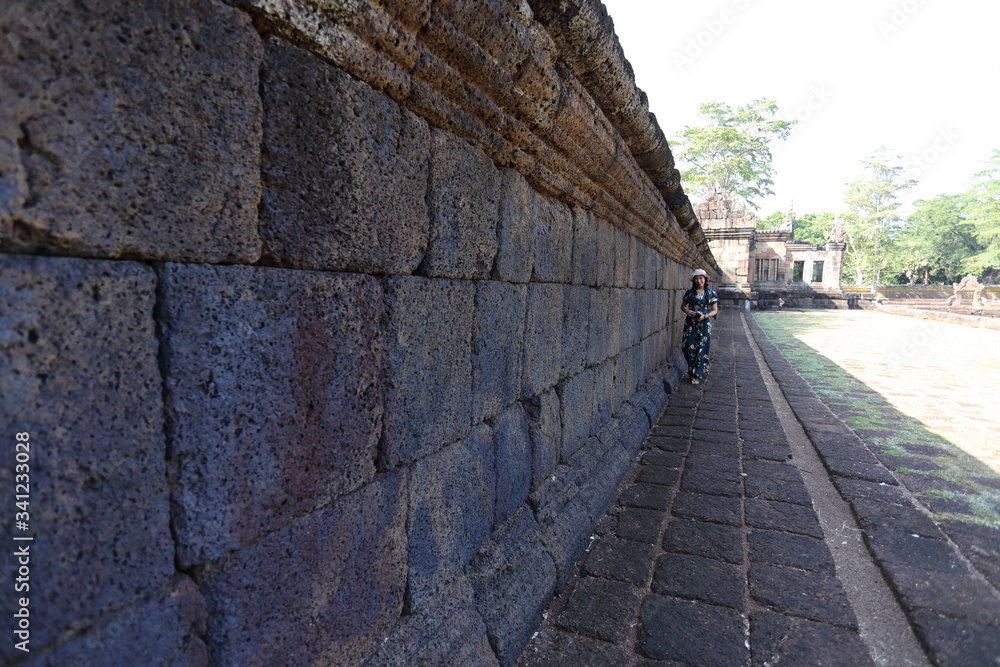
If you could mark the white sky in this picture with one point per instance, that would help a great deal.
(918, 76)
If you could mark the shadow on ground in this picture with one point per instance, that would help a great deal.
(960, 492)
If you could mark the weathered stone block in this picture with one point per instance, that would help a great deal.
(613, 328)
(464, 204)
(545, 434)
(604, 394)
(631, 317)
(167, 629)
(542, 338)
(776, 639)
(650, 360)
(428, 396)
(697, 578)
(553, 243)
(645, 267)
(585, 255)
(587, 462)
(448, 631)
(780, 548)
(273, 396)
(345, 170)
(513, 578)
(577, 405)
(639, 265)
(513, 460)
(673, 629)
(813, 595)
(622, 372)
(601, 608)
(566, 529)
(631, 274)
(653, 314)
(497, 347)
(709, 540)
(148, 146)
(621, 246)
(605, 266)
(575, 328)
(13, 186)
(80, 377)
(635, 427)
(599, 488)
(657, 395)
(634, 376)
(648, 311)
(451, 510)
(598, 325)
(518, 219)
(325, 588)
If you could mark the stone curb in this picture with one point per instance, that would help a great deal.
(974, 321)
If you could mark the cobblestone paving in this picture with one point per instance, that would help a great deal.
(712, 553)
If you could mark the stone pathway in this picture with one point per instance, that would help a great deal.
(714, 552)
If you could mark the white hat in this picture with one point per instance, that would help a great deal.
(699, 272)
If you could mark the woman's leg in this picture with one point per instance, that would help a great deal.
(691, 346)
(704, 363)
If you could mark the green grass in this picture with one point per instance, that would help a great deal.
(882, 426)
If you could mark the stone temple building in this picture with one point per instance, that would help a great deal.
(765, 266)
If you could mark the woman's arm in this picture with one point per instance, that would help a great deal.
(684, 306)
(713, 300)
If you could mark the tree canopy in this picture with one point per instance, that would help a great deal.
(872, 217)
(983, 213)
(935, 242)
(732, 149)
(943, 239)
(814, 228)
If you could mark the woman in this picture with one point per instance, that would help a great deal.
(700, 304)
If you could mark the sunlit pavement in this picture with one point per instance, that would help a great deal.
(944, 376)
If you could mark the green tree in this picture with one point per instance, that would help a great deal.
(871, 221)
(814, 228)
(732, 149)
(772, 221)
(936, 240)
(811, 228)
(984, 214)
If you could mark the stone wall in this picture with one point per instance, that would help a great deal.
(334, 327)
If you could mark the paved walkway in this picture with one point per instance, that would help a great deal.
(727, 544)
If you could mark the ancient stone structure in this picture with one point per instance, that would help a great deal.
(967, 284)
(770, 265)
(334, 326)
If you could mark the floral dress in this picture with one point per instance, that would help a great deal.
(698, 335)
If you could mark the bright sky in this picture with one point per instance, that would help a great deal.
(921, 77)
